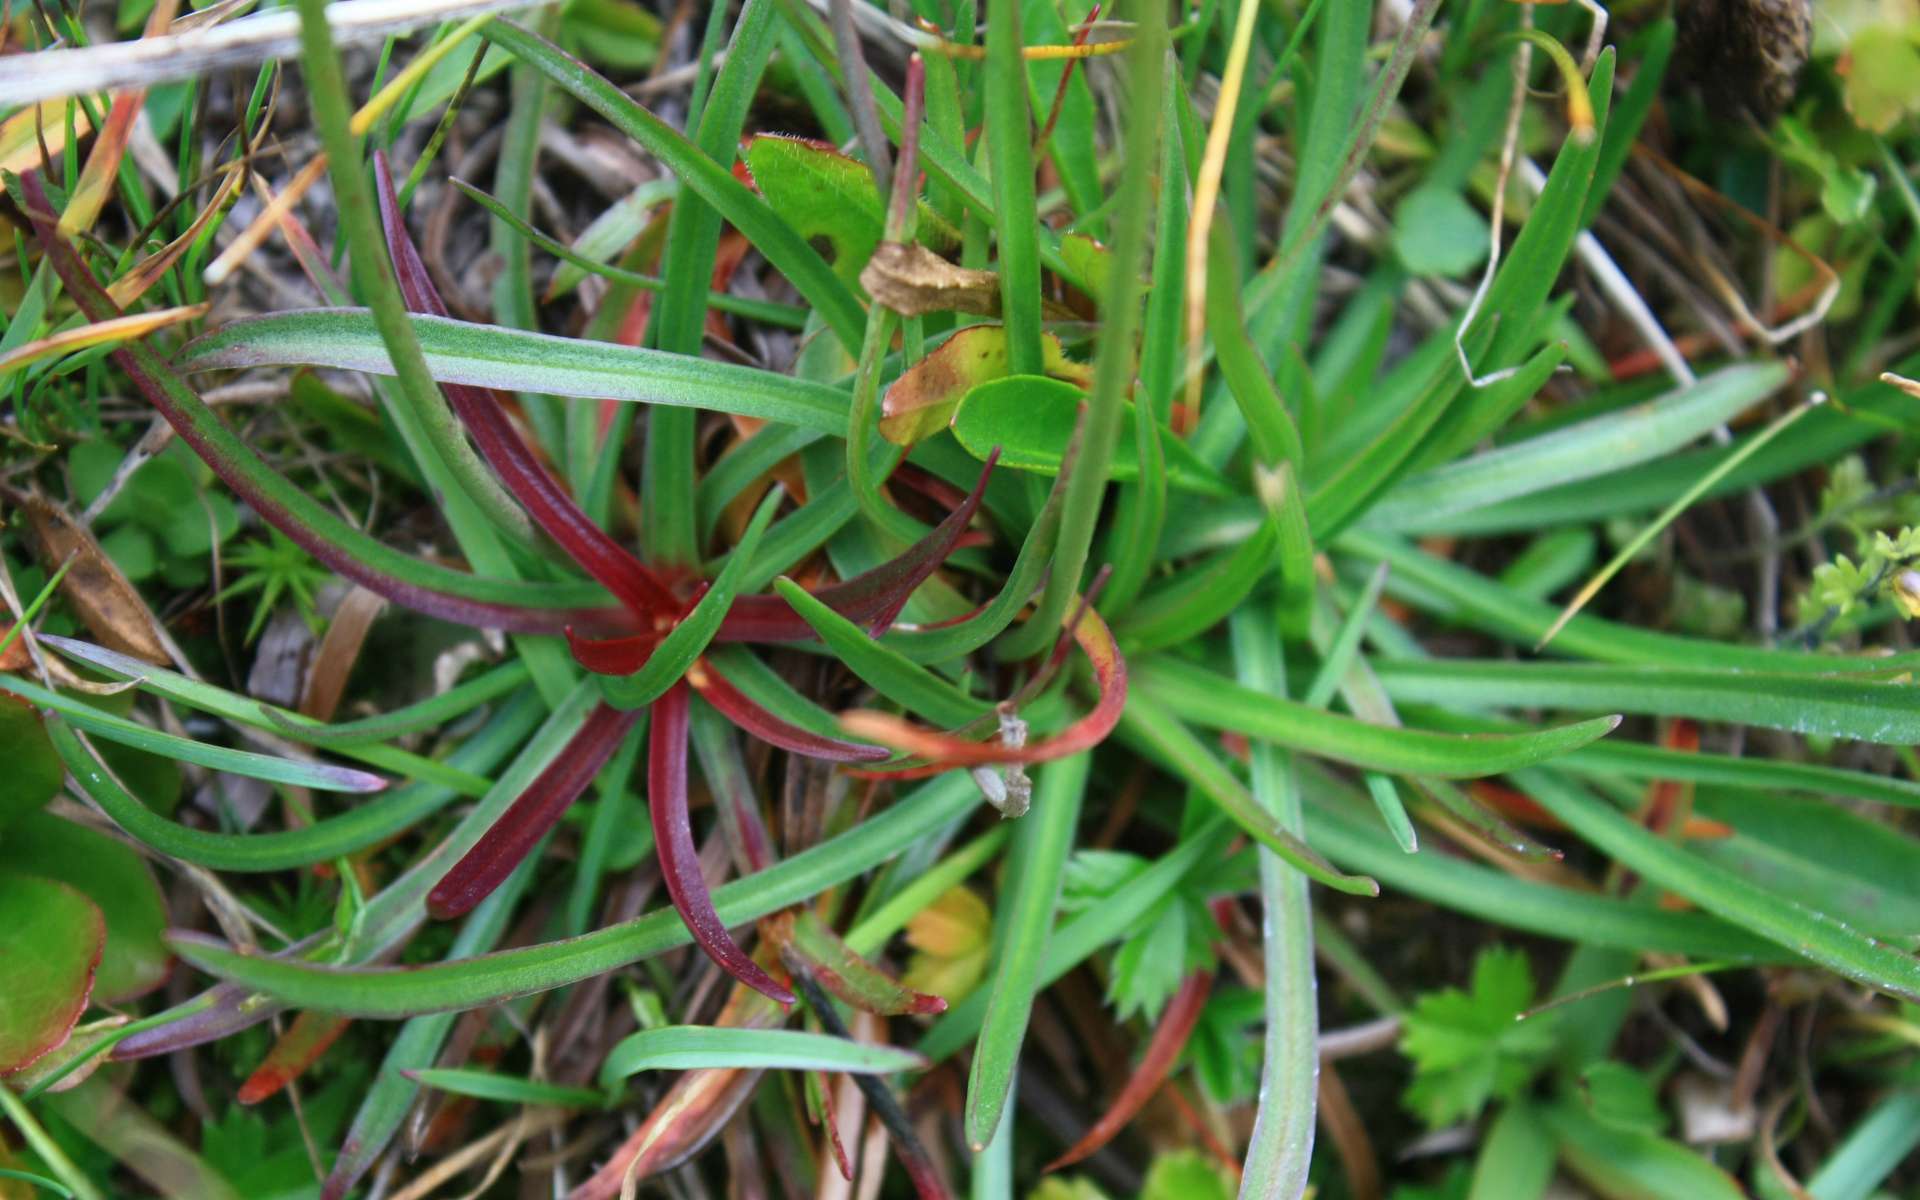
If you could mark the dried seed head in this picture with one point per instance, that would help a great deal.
(1744, 53)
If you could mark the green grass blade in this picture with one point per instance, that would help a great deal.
(509, 1089)
(514, 359)
(322, 841)
(786, 250)
(1768, 913)
(473, 982)
(891, 673)
(1596, 447)
(1152, 728)
(319, 776)
(684, 644)
(1865, 710)
(1280, 1149)
(1029, 896)
(707, 1047)
(1215, 702)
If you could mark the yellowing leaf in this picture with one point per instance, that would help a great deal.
(921, 401)
(114, 330)
(1881, 73)
(952, 939)
(20, 134)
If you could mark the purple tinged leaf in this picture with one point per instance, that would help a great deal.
(247, 476)
(520, 828)
(673, 843)
(873, 599)
(479, 409)
(736, 706)
(230, 1009)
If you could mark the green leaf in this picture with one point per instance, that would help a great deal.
(34, 772)
(1622, 1098)
(1030, 892)
(1880, 79)
(1617, 1162)
(51, 937)
(700, 1047)
(488, 979)
(1031, 418)
(511, 1089)
(518, 360)
(1186, 1175)
(1467, 1047)
(1436, 232)
(116, 879)
(1817, 936)
(1863, 709)
(1215, 702)
(1609, 443)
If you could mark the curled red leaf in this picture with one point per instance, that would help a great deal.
(673, 843)
(1110, 675)
(738, 707)
(510, 839)
(873, 598)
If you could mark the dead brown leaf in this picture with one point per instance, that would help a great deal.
(100, 595)
(914, 281)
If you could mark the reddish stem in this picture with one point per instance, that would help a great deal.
(479, 409)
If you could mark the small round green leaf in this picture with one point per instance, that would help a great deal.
(51, 937)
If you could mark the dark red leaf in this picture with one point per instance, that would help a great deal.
(673, 843)
(736, 706)
(479, 409)
(872, 599)
(612, 656)
(520, 828)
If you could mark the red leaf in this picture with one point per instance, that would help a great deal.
(736, 706)
(673, 843)
(612, 656)
(1176, 1026)
(507, 452)
(297, 1049)
(1109, 672)
(871, 599)
(520, 828)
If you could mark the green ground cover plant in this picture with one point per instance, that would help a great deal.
(1261, 597)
